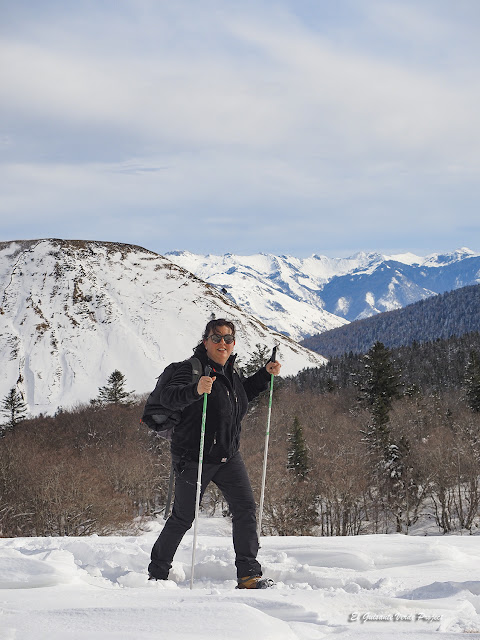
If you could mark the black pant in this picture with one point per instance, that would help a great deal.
(232, 480)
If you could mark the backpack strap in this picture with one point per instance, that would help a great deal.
(197, 369)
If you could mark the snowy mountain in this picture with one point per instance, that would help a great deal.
(71, 312)
(303, 297)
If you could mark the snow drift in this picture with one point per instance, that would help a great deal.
(358, 587)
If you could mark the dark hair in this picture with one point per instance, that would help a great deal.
(214, 324)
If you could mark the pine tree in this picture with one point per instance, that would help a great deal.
(114, 391)
(298, 452)
(380, 385)
(299, 498)
(472, 382)
(257, 360)
(381, 382)
(14, 408)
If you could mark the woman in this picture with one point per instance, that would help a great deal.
(229, 395)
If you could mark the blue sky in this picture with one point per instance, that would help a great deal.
(293, 127)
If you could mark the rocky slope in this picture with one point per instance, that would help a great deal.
(71, 312)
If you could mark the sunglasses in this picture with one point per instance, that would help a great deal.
(216, 339)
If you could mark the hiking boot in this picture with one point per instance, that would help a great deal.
(151, 577)
(254, 582)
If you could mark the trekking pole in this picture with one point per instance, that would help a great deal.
(168, 503)
(199, 476)
(265, 452)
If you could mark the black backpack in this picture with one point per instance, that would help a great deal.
(155, 415)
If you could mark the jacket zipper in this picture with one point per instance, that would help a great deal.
(234, 410)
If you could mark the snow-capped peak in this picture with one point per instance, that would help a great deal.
(71, 312)
(442, 259)
(303, 296)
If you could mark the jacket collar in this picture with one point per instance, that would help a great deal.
(201, 353)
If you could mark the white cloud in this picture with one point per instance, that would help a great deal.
(362, 104)
(212, 106)
(297, 92)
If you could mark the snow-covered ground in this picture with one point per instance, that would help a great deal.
(372, 587)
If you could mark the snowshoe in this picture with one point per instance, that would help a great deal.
(254, 582)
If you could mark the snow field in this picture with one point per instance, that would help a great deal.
(369, 586)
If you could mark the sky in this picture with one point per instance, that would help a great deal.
(214, 126)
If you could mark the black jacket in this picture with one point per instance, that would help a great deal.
(226, 406)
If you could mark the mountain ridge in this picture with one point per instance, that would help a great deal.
(73, 311)
(304, 297)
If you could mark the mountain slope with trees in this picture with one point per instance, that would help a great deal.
(449, 314)
(387, 443)
(430, 368)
